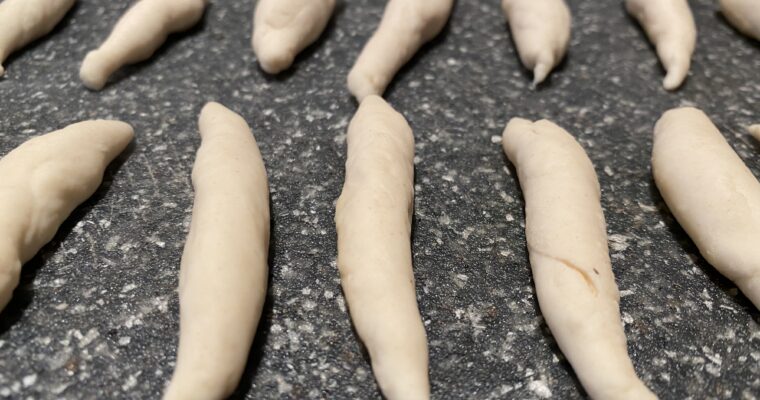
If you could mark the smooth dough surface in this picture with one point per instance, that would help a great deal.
(670, 26)
(373, 218)
(43, 181)
(754, 130)
(282, 28)
(567, 242)
(712, 194)
(137, 35)
(22, 21)
(744, 15)
(223, 276)
(406, 25)
(541, 32)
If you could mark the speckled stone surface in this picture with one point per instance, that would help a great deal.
(96, 315)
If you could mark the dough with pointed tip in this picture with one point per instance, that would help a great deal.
(670, 26)
(43, 181)
(23, 21)
(283, 28)
(406, 26)
(223, 276)
(754, 130)
(712, 194)
(541, 32)
(744, 15)
(567, 242)
(137, 35)
(373, 217)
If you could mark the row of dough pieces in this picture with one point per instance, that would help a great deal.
(224, 264)
(282, 28)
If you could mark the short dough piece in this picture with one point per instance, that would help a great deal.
(567, 242)
(712, 194)
(223, 277)
(43, 181)
(22, 21)
(744, 15)
(541, 31)
(282, 28)
(373, 218)
(406, 25)
(669, 24)
(137, 35)
(754, 130)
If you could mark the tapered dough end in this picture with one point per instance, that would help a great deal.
(94, 72)
(676, 75)
(213, 114)
(2, 71)
(112, 136)
(540, 72)
(273, 56)
(754, 130)
(362, 85)
(517, 131)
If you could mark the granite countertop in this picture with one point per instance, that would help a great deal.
(96, 315)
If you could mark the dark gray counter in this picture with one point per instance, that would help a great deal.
(96, 315)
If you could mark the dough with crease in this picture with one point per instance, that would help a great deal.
(223, 276)
(23, 21)
(43, 181)
(373, 217)
(567, 242)
(282, 28)
(712, 194)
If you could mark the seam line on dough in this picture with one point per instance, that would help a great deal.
(569, 264)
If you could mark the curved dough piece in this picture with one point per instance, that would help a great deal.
(754, 130)
(373, 217)
(541, 31)
(712, 194)
(744, 15)
(137, 35)
(22, 21)
(283, 28)
(223, 277)
(406, 25)
(567, 242)
(43, 181)
(669, 24)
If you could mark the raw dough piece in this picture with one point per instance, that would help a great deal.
(405, 27)
(22, 21)
(282, 28)
(712, 194)
(373, 217)
(669, 24)
(223, 277)
(744, 15)
(43, 181)
(137, 35)
(567, 242)
(754, 130)
(541, 31)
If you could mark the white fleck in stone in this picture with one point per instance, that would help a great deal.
(29, 380)
(619, 242)
(128, 288)
(540, 389)
(91, 335)
(608, 170)
(495, 139)
(124, 340)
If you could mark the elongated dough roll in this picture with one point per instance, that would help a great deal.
(541, 31)
(712, 194)
(223, 277)
(137, 35)
(43, 181)
(22, 21)
(670, 26)
(405, 27)
(567, 242)
(744, 15)
(373, 217)
(282, 28)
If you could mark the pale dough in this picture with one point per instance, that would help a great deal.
(712, 194)
(567, 242)
(43, 181)
(282, 28)
(373, 217)
(137, 35)
(669, 24)
(744, 15)
(541, 32)
(406, 25)
(22, 21)
(223, 276)
(754, 130)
